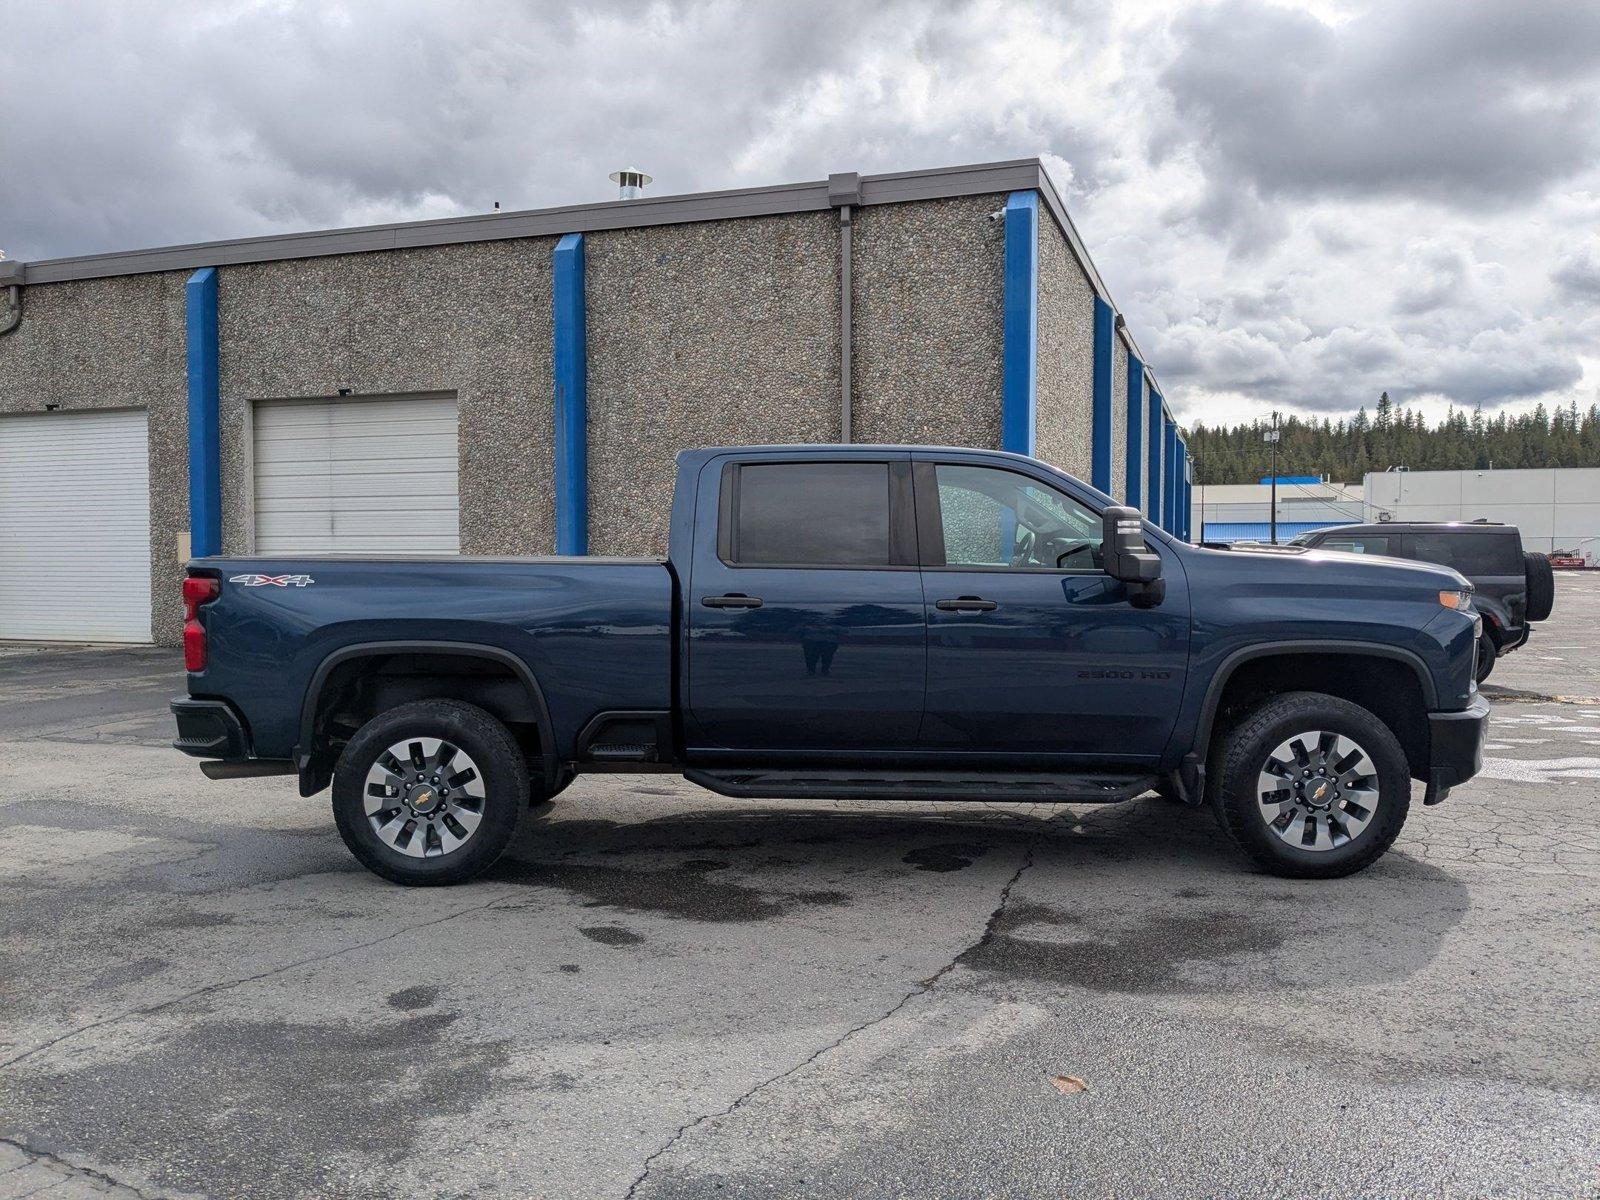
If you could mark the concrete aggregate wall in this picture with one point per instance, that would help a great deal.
(1119, 420)
(1066, 356)
(473, 319)
(927, 314)
(714, 333)
(721, 333)
(115, 343)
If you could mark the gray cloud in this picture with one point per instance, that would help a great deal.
(144, 122)
(1462, 102)
(1291, 211)
(1577, 274)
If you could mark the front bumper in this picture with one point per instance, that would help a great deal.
(1456, 747)
(209, 729)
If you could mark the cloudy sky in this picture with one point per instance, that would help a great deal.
(1297, 205)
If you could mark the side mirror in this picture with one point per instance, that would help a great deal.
(1128, 558)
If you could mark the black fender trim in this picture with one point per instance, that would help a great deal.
(309, 785)
(1219, 680)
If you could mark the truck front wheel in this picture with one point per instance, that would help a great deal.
(1311, 786)
(430, 792)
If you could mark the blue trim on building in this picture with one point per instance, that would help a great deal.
(1152, 507)
(571, 398)
(205, 426)
(1133, 485)
(1170, 474)
(1185, 491)
(1105, 362)
(1019, 391)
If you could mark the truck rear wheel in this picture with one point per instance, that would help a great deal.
(430, 792)
(1311, 786)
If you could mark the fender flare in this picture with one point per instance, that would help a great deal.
(359, 650)
(1225, 670)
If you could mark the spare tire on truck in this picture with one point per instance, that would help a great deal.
(1541, 585)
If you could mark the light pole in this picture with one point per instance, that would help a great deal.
(1271, 438)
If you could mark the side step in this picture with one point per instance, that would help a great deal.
(840, 784)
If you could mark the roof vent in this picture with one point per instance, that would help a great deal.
(630, 183)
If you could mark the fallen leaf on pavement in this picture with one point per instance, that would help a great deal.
(1069, 1085)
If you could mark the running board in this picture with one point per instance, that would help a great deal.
(1089, 788)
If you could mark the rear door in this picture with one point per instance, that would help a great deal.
(804, 608)
(1033, 650)
(1489, 556)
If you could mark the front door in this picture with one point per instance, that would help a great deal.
(1033, 651)
(804, 606)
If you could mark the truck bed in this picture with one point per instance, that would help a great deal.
(595, 632)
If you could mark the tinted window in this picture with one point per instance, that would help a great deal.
(1355, 543)
(1488, 552)
(813, 514)
(996, 518)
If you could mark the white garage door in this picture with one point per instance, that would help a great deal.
(357, 476)
(75, 527)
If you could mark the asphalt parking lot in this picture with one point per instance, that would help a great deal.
(663, 993)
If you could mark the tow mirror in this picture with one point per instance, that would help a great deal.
(1129, 559)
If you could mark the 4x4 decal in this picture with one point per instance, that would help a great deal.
(272, 580)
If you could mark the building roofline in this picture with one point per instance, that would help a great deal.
(896, 187)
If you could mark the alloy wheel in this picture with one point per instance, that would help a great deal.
(424, 797)
(1318, 790)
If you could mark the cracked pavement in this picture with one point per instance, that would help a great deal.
(663, 993)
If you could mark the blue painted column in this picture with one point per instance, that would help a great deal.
(1136, 468)
(572, 398)
(1180, 518)
(205, 433)
(1170, 482)
(1152, 507)
(1105, 361)
(1189, 498)
(1019, 389)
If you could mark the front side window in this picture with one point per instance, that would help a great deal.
(812, 514)
(996, 518)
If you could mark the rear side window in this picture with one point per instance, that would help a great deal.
(1471, 553)
(812, 514)
(1355, 544)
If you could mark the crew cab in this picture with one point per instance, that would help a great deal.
(863, 622)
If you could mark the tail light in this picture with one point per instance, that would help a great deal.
(198, 590)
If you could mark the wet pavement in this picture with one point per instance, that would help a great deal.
(664, 993)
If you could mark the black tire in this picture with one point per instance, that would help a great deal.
(1243, 753)
(498, 761)
(1488, 650)
(1541, 586)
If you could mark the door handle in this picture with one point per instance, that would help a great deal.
(966, 604)
(731, 600)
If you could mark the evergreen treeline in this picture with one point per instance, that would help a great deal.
(1345, 450)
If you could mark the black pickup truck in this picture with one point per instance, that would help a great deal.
(869, 622)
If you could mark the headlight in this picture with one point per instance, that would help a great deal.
(1456, 599)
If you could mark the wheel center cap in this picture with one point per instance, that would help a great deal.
(423, 798)
(1320, 792)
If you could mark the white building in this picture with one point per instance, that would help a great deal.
(1557, 509)
(1241, 512)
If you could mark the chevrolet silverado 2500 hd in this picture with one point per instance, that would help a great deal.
(846, 621)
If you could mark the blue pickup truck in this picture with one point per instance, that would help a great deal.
(865, 622)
